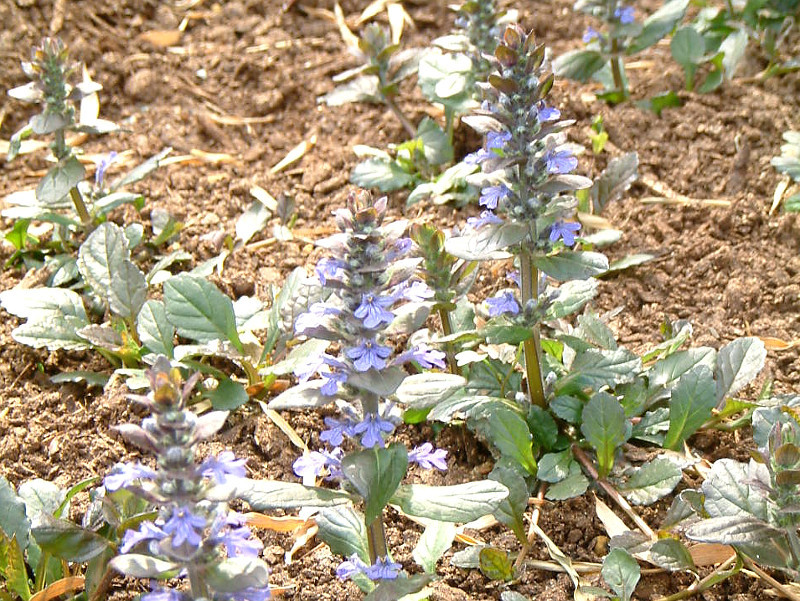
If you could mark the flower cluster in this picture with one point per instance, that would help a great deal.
(195, 533)
(481, 22)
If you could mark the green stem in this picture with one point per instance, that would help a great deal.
(80, 207)
(376, 535)
(447, 330)
(197, 583)
(532, 347)
(41, 572)
(407, 125)
(616, 68)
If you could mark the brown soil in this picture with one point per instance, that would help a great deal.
(732, 271)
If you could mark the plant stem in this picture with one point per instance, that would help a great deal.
(616, 68)
(713, 578)
(447, 330)
(80, 207)
(531, 530)
(407, 125)
(376, 535)
(197, 584)
(529, 276)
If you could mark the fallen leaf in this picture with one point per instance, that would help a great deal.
(276, 524)
(60, 587)
(161, 38)
(708, 554)
(776, 344)
(294, 155)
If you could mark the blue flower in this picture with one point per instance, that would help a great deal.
(547, 113)
(312, 464)
(478, 157)
(560, 161)
(565, 230)
(505, 303)
(496, 140)
(102, 166)
(185, 527)
(373, 310)
(224, 467)
(494, 194)
(427, 457)
(350, 567)
(383, 569)
(165, 594)
(147, 531)
(400, 248)
(332, 381)
(328, 267)
(124, 474)
(369, 354)
(513, 277)
(337, 430)
(314, 317)
(426, 356)
(590, 34)
(371, 428)
(239, 542)
(486, 218)
(250, 593)
(416, 291)
(625, 14)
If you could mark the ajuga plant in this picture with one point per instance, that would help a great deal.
(52, 86)
(374, 294)
(622, 35)
(195, 536)
(789, 163)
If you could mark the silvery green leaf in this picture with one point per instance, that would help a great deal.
(436, 67)
(572, 265)
(101, 336)
(199, 311)
(343, 530)
(382, 382)
(158, 273)
(482, 123)
(263, 495)
(52, 332)
(659, 24)
(457, 503)
(508, 432)
(615, 180)
(452, 43)
(468, 559)
(733, 47)
(209, 424)
(687, 505)
(14, 521)
(305, 395)
(445, 410)
(554, 467)
(435, 540)
(670, 554)
(378, 173)
(629, 261)
(621, 572)
(512, 596)
(579, 65)
(568, 408)
(252, 221)
(140, 171)
(48, 122)
(426, 389)
(30, 92)
(633, 541)
(89, 378)
(653, 426)
(572, 295)
(487, 243)
(753, 537)
(728, 492)
(236, 573)
(40, 302)
(605, 428)
(563, 183)
(652, 481)
(154, 329)
(115, 199)
(57, 183)
(511, 510)
(97, 127)
(142, 566)
(666, 372)
(436, 144)
(574, 485)
(228, 395)
(399, 588)
(693, 399)
(409, 317)
(597, 368)
(104, 263)
(738, 363)
(376, 473)
(361, 89)
(300, 355)
(17, 140)
(593, 329)
(65, 540)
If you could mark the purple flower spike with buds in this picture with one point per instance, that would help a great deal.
(125, 474)
(564, 230)
(505, 303)
(560, 161)
(369, 354)
(371, 428)
(185, 527)
(491, 196)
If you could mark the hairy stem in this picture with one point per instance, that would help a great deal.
(80, 206)
(407, 125)
(531, 530)
(447, 330)
(616, 68)
(532, 347)
(376, 535)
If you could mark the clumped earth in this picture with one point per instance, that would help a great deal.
(732, 270)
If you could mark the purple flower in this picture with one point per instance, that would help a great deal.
(185, 527)
(350, 567)
(337, 430)
(590, 34)
(165, 594)
(250, 593)
(104, 164)
(146, 531)
(547, 113)
(565, 230)
(492, 195)
(239, 542)
(427, 457)
(371, 428)
(625, 14)
(314, 317)
(223, 467)
(513, 277)
(369, 354)
(332, 381)
(124, 474)
(478, 157)
(372, 310)
(424, 355)
(496, 140)
(312, 464)
(328, 268)
(486, 218)
(505, 303)
(400, 248)
(415, 292)
(560, 161)
(383, 569)
(309, 368)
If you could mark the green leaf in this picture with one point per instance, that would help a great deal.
(579, 65)
(360, 89)
(104, 263)
(508, 432)
(306, 395)
(199, 311)
(687, 46)
(568, 408)
(659, 24)
(621, 572)
(343, 531)
(728, 492)
(140, 171)
(733, 48)
(399, 588)
(738, 363)
(572, 265)
(154, 329)
(142, 566)
(57, 183)
(660, 102)
(629, 261)
(652, 481)
(52, 332)
(13, 571)
(37, 302)
(228, 395)
(41, 498)
(428, 388)
(755, 538)
(236, 573)
(382, 382)
(670, 554)
(543, 427)
(65, 540)
(597, 368)
(693, 399)
(605, 428)
(457, 503)
(435, 142)
(570, 487)
(615, 180)
(554, 467)
(436, 539)
(89, 378)
(384, 175)
(511, 510)
(572, 296)
(666, 372)
(495, 564)
(376, 473)
(263, 495)
(488, 243)
(14, 520)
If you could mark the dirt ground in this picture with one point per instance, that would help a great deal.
(243, 80)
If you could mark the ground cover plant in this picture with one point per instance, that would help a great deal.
(648, 383)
